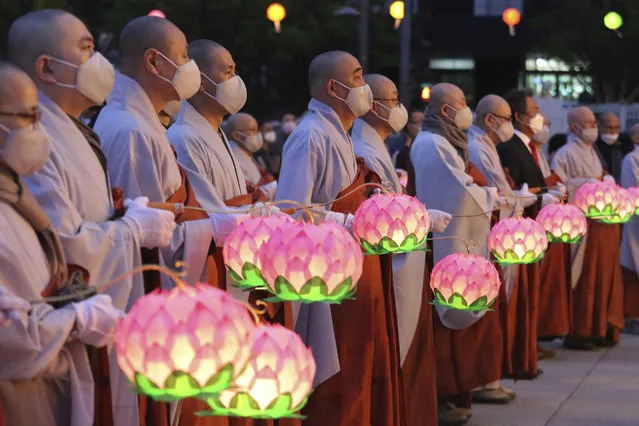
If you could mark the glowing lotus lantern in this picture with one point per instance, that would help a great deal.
(626, 208)
(465, 282)
(277, 381)
(391, 224)
(187, 342)
(564, 223)
(597, 199)
(242, 246)
(517, 240)
(312, 263)
(634, 192)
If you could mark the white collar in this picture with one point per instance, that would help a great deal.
(525, 139)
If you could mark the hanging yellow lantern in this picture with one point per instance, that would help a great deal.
(397, 11)
(276, 14)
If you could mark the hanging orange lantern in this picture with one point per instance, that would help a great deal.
(511, 17)
(276, 14)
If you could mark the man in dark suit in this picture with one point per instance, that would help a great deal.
(610, 147)
(518, 155)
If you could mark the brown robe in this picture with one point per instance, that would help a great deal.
(555, 294)
(598, 300)
(368, 389)
(630, 293)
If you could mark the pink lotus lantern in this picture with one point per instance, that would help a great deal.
(626, 208)
(597, 199)
(391, 224)
(311, 263)
(242, 246)
(517, 240)
(465, 282)
(564, 223)
(187, 342)
(634, 193)
(277, 381)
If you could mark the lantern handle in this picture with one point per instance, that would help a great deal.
(300, 206)
(384, 188)
(253, 310)
(467, 243)
(175, 276)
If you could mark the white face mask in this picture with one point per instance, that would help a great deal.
(359, 99)
(25, 150)
(186, 80)
(463, 118)
(589, 135)
(536, 123)
(505, 131)
(94, 78)
(172, 108)
(610, 139)
(270, 136)
(542, 136)
(397, 116)
(288, 127)
(230, 94)
(252, 143)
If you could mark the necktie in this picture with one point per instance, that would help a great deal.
(533, 152)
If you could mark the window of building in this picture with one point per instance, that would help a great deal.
(554, 78)
(496, 7)
(452, 64)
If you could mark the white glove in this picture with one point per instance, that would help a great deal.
(269, 189)
(346, 220)
(548, 199)
(377, 191)
(96, 319)
(609, 179)
(223, 224)
(263, 210)
(155, 226)
(10, 307)
(439, 220)
(524, 197)
(560, 188)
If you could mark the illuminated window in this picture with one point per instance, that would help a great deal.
(496, 7)
(452, 64)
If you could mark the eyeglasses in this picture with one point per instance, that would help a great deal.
(34, 117)
(501, 116)
(395, 102)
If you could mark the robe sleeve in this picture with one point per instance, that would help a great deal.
(198, 171)
(494, 172)
(630, 171)
(30, 345)
(560, 166)
(105, 249)
(301, 172)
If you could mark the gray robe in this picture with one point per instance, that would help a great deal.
(630, 238)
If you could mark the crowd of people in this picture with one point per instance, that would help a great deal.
(90, 157)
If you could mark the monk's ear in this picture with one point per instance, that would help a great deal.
(150, 59)
(42, 70)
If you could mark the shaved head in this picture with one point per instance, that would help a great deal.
(609, 123)
(15, 87)
(446, 94)
(580, 115)
(206, 53)
(43, 32)
(634, 133)
(381, 86)
(148, 32)
(335, 65)
(240, 122)
(493, 104)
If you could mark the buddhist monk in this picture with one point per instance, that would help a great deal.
(45, 374)
(354, 344)
(56, 49)
(468, 345)
(410, 275)
(597, 314)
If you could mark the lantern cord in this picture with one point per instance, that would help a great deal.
(300, 206)
(254, 311)
(490, 211)
(175, 276)
(467, 243)
(383, 187)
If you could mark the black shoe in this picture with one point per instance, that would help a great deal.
(578, 344)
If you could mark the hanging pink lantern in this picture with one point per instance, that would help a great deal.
(465, 282)
(564, 223)
(312, 263)
(242, 247)
(634, 193)
(277, 381)
(517, 240)
(187, 342)
(393, 223)
(597, 199)
(626, 208)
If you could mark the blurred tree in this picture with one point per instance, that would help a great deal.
(274, 66)
(573, 30)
